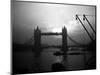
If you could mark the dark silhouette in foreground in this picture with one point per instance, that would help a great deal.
(57, 67)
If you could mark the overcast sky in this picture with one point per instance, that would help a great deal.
(50, 18)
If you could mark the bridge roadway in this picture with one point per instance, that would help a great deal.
(50, 33)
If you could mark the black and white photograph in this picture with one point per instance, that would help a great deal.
(52, 37)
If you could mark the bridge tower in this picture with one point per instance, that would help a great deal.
(37, 40)
(37, 48)
(64, 44)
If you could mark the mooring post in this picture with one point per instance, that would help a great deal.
(64, 45)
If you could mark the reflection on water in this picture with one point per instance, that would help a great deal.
(74, 61)
(26, 60)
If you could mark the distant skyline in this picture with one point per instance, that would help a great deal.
(50, 18)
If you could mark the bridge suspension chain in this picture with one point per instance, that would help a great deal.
(29, 41)
(73, 40)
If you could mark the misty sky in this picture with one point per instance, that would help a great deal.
(50, 18)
